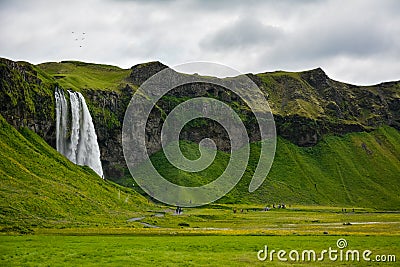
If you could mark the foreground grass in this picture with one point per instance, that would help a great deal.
(178, 250)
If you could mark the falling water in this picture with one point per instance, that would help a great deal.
(75, 125)
(61, 121)
(81, 146)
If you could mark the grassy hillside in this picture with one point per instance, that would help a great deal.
(41, 187)
(77, 75)
(356, 170)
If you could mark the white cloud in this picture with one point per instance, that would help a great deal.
(355, 41)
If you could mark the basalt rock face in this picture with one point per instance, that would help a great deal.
(306, 106)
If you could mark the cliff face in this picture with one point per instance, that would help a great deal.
(27, 98)
(108, 110)
(309, 104)
(306, 105)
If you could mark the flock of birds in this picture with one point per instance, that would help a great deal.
(79, 37)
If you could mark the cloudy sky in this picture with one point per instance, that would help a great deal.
(356, 41)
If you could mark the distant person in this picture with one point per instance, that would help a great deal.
(178, 210)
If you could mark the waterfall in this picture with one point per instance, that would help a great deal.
(61, 121)
(81, 146)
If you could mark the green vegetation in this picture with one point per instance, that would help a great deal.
(313, 95)
(338, 171)
(180, 250)
(289, 94)
(40, 187)
(23, 88)
(191, 151)
(109, 119)
(78, 76)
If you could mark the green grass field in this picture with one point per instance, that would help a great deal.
(128, 250)
(215, 220)
(208, 236)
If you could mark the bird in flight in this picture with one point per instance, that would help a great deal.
(79, 37)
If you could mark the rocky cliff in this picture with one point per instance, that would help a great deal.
(309, 104)
(306, 105)
(27, 98)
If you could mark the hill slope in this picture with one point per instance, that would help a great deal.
(41, 187)
(358, 169)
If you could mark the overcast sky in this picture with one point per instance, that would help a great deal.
(356, 41)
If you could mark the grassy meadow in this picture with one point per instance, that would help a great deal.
(182, 250)
(208, 236)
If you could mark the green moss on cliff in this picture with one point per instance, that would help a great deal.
(107, 118)
(26, 92)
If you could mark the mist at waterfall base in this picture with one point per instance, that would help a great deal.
(75, 134)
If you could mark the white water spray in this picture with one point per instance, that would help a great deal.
(81, 146)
